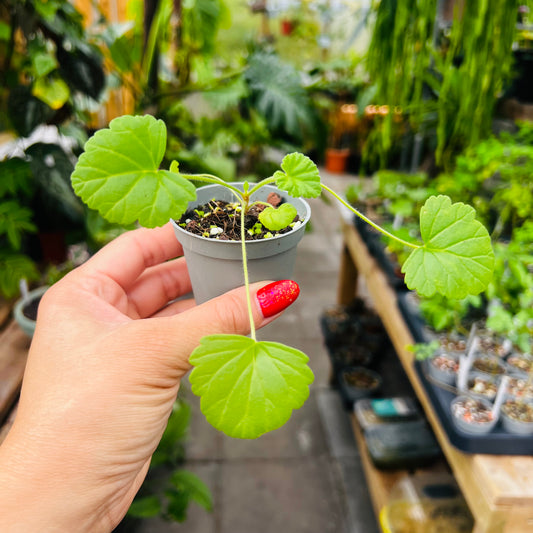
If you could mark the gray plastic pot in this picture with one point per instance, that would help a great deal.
(215, 267)
(27, 324)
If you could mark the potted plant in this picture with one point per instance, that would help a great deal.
(517, 416)
(25, 310)
(119, 175)
(472, 415)
(357, 383)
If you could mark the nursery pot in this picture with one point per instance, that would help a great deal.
(27, 324)
(337, 160)
(215, 266)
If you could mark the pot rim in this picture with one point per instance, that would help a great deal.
(271, 188)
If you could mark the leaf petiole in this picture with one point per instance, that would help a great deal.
(368, 221)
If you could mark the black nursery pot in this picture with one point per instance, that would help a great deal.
(356, 383)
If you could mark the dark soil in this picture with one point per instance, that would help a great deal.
(30, 309)
(226, 216)
(360, 379)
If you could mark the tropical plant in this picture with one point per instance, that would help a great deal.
(119, 175)
(47, 63)
(447, 79)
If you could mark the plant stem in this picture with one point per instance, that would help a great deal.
(209, 178)
(368, 221)
(246, 277)
(257, 186)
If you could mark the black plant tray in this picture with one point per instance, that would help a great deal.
(497, 442)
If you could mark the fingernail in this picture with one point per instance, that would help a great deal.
(277, 296)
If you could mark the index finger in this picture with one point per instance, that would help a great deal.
(128, 256)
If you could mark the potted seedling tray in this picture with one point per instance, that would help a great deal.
(497, 442)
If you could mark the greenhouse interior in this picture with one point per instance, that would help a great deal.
(356, 179)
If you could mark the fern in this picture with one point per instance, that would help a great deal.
(15, 220)
(13, 268)
(16, 177)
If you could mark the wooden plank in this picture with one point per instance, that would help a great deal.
(14, 344)
(495, 487)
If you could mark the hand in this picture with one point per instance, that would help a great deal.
(104, 368)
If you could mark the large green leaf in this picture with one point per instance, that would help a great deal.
(248, 387)
(300, 177)
(457, 257)
(118, 174)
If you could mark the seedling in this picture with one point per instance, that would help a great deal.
(249, 387)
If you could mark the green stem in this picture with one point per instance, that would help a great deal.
(246, 277)
(368, 221)
(266, 181)
(209, 178)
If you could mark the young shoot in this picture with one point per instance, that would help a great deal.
(250, 387)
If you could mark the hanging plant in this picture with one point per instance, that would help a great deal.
(444, 79)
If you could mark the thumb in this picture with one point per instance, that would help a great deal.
(227, 314)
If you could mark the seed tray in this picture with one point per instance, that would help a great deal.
(497, 442)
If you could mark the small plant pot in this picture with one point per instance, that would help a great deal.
(25, 311)
(482, 386)
(443, 367)
(472, 415)
(216, 267)
(358, 382)
(337, 160)
(519, 387)
(488, 365)
(517, 417)
(287, 27)
(520, 364)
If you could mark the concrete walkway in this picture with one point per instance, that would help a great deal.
(305, 477)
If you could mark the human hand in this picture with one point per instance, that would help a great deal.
(104, 368)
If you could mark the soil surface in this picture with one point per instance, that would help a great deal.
(222, 221)
(29, 310)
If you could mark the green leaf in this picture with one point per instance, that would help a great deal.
(277, 219)
(52, 91)
(300, 176)
(118, 174)
(146, 507)
(15, 220)
(13, 268)
(43, 63)
(194, 487)
(248, 387)
(457, 257)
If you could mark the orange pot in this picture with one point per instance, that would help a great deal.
(336, 160)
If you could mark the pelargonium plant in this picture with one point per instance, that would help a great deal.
(249, 387)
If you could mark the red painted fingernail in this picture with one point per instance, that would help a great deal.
(277, 296)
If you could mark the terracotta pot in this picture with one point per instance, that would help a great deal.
(287, 27)
(336, 160)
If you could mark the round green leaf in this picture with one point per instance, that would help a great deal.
(457, 257)
(248, 387)
(277, 219)
(300, 176)
(118, 174)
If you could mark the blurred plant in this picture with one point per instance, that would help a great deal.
(168, 488)
(444, 79)
(15, 224)
(495, 176)
(47, 61)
